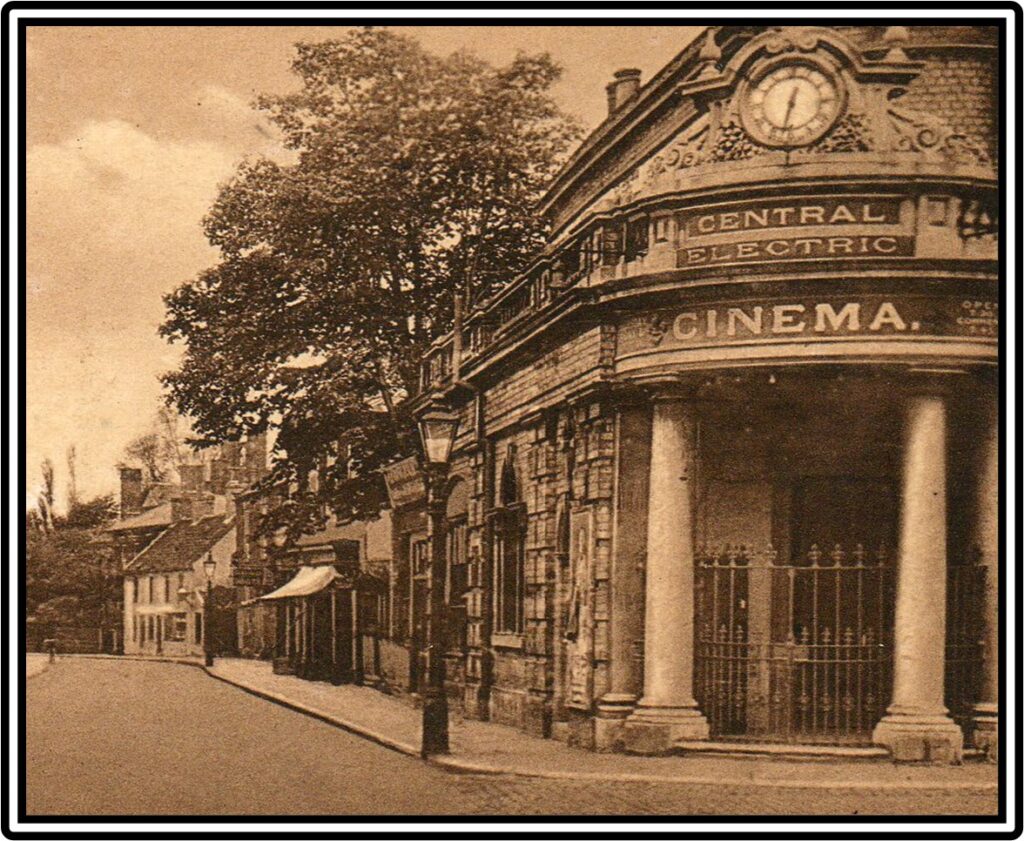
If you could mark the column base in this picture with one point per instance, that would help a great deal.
(657, 730)
(986, 730)
(920, 738)
(612, 711)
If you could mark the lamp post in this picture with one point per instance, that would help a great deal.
(437, 430)
(209, 567)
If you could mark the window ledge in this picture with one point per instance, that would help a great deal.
(507, 640)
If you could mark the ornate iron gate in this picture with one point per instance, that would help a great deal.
(797, 652)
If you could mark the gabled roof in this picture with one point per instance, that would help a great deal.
(181, 545)
(154, 517)
(160, 515)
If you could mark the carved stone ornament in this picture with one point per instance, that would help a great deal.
(657, 327)
(917, 131)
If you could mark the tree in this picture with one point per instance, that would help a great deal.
(64, 578)
(416, 178)
(44, 502)
(91, 513)
(72, 456)
(158, 451)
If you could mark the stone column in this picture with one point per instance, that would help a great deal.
(986, 540)
(917, 725)
(632, 466)
(667, 713)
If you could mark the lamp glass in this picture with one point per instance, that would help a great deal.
(209, 567)
(438, 432)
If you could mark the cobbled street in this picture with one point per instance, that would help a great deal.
(138, 738)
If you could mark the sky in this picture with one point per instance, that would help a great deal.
(129, 132)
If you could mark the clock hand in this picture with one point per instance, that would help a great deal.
(789, 107)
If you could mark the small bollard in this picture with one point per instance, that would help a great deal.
(51, 648)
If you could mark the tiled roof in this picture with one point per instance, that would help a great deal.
(181, 545)
(158, 516)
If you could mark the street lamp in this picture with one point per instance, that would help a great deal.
(437, 429)
(209, 567)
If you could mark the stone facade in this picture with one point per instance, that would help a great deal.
(746, 343)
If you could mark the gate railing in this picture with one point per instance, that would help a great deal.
(965, 650)
(797, 652)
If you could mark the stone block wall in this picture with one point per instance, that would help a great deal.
(543, 417)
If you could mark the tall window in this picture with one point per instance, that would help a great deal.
(509, 548)
(458, 581)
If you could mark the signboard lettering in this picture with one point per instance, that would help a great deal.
(791, 319)
(796, 248)
(791, 229)
(404, 482)
(787, 213)
(805, 318)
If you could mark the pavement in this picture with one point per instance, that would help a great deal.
(485, 748)
(35, 664)
(130, 737)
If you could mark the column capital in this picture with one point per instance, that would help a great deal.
(935, 382)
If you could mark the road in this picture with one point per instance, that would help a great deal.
(135, 738)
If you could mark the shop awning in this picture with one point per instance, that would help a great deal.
(159, 609)
(307, 581)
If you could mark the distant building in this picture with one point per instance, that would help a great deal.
(165, 583)
(318, 607)
(164, 534)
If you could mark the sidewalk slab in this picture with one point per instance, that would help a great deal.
(486, 748)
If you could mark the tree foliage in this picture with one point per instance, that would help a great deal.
(64, 567)
(158, 451)
(414, 178)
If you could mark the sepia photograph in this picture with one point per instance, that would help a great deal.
(441, 424)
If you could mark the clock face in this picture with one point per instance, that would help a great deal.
(792, 106)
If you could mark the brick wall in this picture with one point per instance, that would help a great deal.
(961, 89)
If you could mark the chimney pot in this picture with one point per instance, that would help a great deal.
(622, 88)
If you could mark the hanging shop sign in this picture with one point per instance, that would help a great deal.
(404, 481)
(794, 229)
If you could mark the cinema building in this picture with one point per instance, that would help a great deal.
(726, 469)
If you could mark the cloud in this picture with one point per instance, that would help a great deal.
(113, 185)
(113, 224)
(233, 119)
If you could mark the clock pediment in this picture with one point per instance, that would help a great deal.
(794, 96)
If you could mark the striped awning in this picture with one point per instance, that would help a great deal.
(307, 581)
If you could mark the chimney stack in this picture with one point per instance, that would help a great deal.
(181, 509)
(218, 475)
(622, 88)
(132, 491)
(191, 507)
(202, 506)
(191, 477)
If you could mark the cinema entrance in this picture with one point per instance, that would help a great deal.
(835, 566)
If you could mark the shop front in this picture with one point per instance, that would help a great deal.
(325, 620)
